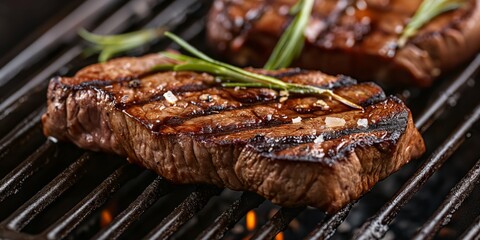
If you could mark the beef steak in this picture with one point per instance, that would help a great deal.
(301, 151)
(353, 37)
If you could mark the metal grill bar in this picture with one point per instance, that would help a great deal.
(11, 109)
(184, 212)
(172, 16)
(35, 88)
(473, 232)
(152, 193)
(452, 202)
(433, 110)
(22, 128)
(329, 225)
(326, 229)
(25, 170)
(37, 85)
(116, 21)
(11, 234)
(83, 15)
(377, 226)
(278, 223)
(20, 218)
(232, 215)
(91, 202)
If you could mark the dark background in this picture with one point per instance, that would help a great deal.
(21, 21)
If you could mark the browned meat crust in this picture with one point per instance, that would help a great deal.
(240, 139)
(352, 37)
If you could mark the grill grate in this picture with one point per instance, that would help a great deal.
(40, 178)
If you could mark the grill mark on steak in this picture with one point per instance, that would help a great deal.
(336, 149)
(253, 16)
(188, 83)
(99, 83)
(315, 126)
(273, 112)
(285, 73)
(343, 81)
(361, 42)
(157, 97)
(231, 148)
(332, 19)
(344, 140)
(228, 100)
(337, 26)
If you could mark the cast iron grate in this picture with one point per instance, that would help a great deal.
(48, 190)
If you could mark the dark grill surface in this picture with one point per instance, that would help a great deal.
(51, 190)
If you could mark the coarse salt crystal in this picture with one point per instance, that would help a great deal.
(283, 93)
(283, 99)
(205, 97)
(283, 10)
(53, 139)
(321, 104)
(170, 97)
(283, 96)
(334, 122)
(319, 139)
(363, 122)
(297, 120)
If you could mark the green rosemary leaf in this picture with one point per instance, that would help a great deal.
(296, 8)
(189, 48)
(106, 40)
(292, 40)
(110, 45)
(163, 67)
(237, 77)
(233, 70)
(247, 85)
(428, 10)
(200, 67)
(108, 52)
(177, 56)
(306, 89)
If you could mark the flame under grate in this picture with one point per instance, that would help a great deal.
(53, 190)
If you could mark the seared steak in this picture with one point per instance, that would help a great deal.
(353, 37)
(298, 151)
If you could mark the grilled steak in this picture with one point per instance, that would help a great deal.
(353, 37)
(301, 151)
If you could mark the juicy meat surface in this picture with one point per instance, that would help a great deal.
(352, 37)
(295, 152)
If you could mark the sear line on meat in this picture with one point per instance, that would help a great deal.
(243, 139)
(352, 37)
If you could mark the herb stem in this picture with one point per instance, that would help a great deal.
(248, 76)
(110, 45)
(291, 42)
(240, 77)
(428, 10)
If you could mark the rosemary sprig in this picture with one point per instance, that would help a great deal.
(110, 45)
(287, 49)
(238, 77)
(291, 42)
(428, 10)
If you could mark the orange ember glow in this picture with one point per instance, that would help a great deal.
(105, 218)
(279, 236)
(251, 220)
